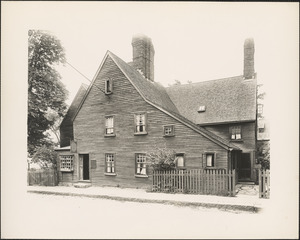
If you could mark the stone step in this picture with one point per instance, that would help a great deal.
(82, 184)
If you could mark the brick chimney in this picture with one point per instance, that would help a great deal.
(143, 55)
(249, 58)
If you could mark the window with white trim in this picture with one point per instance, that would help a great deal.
(236, 132)
(109, 163)
(140, 164)
(169, 130)
(210, 159)
(66, 163)
(108, 86)
(109, 125)
(140, 123)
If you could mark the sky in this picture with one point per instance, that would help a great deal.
(193, 41)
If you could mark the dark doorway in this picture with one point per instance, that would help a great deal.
(244, 167)
(84, 167)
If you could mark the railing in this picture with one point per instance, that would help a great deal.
(264, 183)
(44, 177)
(196, 181)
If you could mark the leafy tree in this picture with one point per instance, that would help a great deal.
(161, 159)
(263, 154)
(46, 93)
(45, 156)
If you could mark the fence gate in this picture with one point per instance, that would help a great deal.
(43, 177)
(196, 181)
(264, 183)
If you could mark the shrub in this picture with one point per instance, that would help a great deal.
(161, 159)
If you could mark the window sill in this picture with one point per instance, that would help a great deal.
(140, 133)
(109, 135)
(110, 174)
(141, 176)
(66, 170)
(169, 135)
(236, 140)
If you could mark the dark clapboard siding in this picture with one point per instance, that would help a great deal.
(248, 134)
(123, 104)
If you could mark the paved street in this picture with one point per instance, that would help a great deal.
(51, 216)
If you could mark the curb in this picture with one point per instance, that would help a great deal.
(224, 207)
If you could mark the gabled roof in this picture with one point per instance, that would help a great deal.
(152, 91)
(225, 100)
(156, 95)
(75, 104)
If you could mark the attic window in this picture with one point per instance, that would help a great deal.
(108, 86)
(201, 108)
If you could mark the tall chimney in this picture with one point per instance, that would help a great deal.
(143, 55)
(249, 58)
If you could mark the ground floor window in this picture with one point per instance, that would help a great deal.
(109, 163)
(140, 164)
(209, 159)
(180, 163)
(66, 163)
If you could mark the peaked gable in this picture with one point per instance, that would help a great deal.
(156, 95)
(66, 126)
(225, 100)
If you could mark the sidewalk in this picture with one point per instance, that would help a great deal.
(240, 202)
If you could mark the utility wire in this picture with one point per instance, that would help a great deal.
(84, 76)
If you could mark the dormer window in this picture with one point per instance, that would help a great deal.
(236, 133)
(201, 109)
(108, 86)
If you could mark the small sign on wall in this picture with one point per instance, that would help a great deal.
(73, 146)
(93, 164)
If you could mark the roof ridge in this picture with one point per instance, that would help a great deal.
(205, 81)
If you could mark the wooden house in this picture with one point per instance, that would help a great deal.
(124, 114)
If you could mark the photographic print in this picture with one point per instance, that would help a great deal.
(150, 120)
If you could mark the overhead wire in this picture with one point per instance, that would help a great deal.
(84, 76)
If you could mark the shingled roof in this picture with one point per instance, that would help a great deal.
(226, 100)
(156, 94)
(152, 91)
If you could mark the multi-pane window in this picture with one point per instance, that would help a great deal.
(66, 163)
(108, 86)
(109, 125)
(210, 160)
(169, 130)
(140, 123)
(259, 108)
(236, 132)
(109, 163)
(179, 160)
(140, 162)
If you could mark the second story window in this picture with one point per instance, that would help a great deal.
(109, 125)
(260, 109)
(169, 131)
(108, 86)
(236, 133)
(140, 123)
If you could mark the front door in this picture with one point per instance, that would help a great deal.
(244, 167)
(84, 167)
